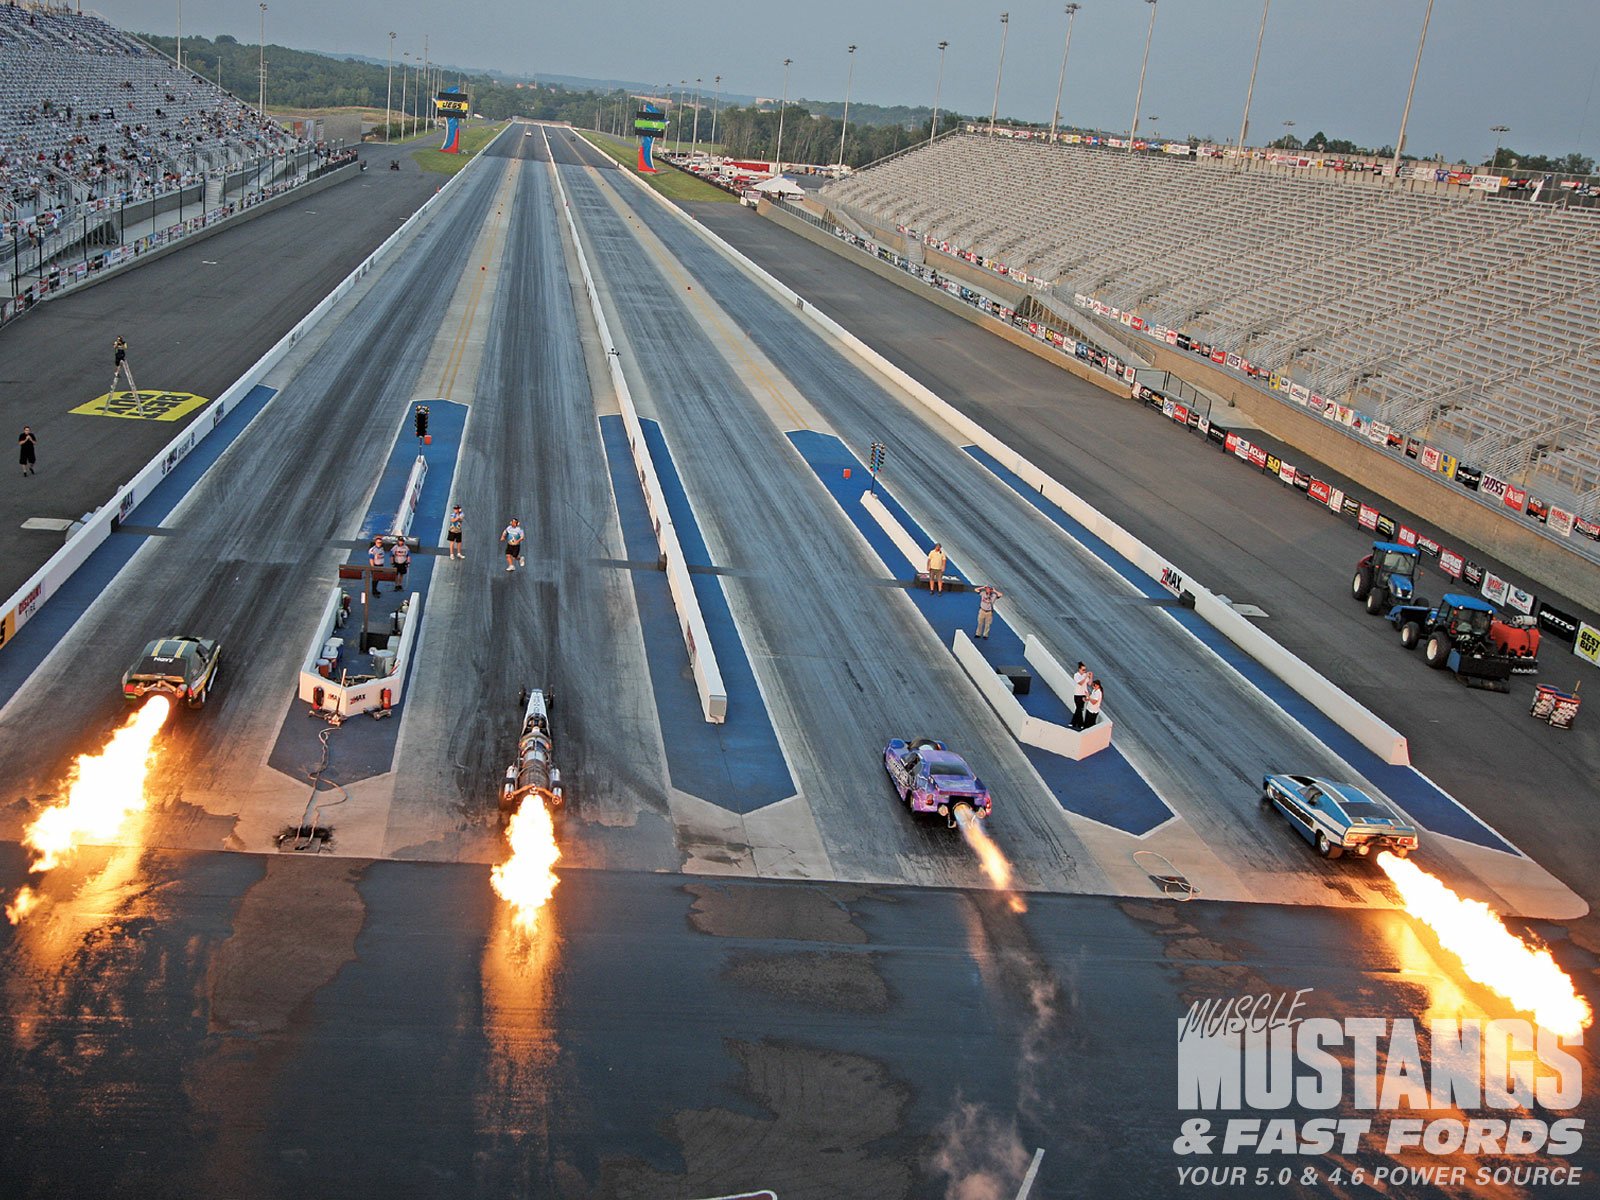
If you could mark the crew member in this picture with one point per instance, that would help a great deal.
(1081, 679)
(936, 561)
(378, 559)
(453, 535)
(401, 556)
(1092, 704)
(120, 367)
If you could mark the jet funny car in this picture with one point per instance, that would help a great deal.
(931, 778)
(1335, 817)
(180, 666)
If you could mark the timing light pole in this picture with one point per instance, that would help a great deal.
(716, 103)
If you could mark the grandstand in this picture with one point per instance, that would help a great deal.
(92, 116)
(1465, 319)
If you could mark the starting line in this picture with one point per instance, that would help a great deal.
(142, 406)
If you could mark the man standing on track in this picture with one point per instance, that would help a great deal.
(26, 441)
(987, 595)
(453, 534)
(401, 557)
(512, 536)
(377, 559)
(936, 561)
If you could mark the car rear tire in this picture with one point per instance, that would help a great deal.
(1410, 635)
(1437, 651)
(1362, 583)
(1375, 603)
(1266, 797)
(1326, 848)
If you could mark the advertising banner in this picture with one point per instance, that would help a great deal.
(1471, 573)
(1491, 486)
(1559, 520)
(1368, 518)
(1554, 621)
(1469, 477)
(1427, 545)
(1273, 464)
(1450, 563)
(1588, 643)
(1350, 506)
(1258, 456)
(1300, 393)
(1429, 459)
(1447, 465)
(1514, 497)
(1387, 527)
(1287, 473)
(1406, 536)
(1494, 588)
(1520, 600)
(1319, 491)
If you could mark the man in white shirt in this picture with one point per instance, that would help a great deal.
(1081, 679)
(512, 536)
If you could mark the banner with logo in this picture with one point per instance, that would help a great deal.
(1553, 620)
(1491, 486)
(1368, 518)
(1450, 563)
(1471, 573)
(1558, 520)
(1319, 491)
(1494, 588)
(1588, 643)
(1429, 459)
(1520, 600)
(1514, 497)
(1386, 527)
(1406, 536)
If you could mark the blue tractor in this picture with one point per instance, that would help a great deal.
(1456, 636)
(1386, 577)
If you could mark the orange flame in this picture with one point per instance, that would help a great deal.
(990, 858)
(1490, 953)
(103, 790)
(525, 880)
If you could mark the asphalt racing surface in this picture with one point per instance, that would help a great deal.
(744, 981)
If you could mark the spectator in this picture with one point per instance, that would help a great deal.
(453, 535)
(987, 595)
(512, 536)
(1081, 678)
(1092, 704)
(936, 563)
(26, 441)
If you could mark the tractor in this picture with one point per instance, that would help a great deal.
(1387, 577)
(1456, 635)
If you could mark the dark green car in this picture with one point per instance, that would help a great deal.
(179, 666)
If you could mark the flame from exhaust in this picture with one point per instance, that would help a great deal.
(1490, 953)
(525, 880)
(103, 790)
(990, 858)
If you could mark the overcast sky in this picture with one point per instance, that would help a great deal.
(1341, 67)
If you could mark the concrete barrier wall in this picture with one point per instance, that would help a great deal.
(45, 582)
(1079, 743)
(1374, 733)
(353, 699)
(903, 541)
(691, 622)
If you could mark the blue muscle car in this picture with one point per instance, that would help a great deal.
(1335, 817)
(933, 779)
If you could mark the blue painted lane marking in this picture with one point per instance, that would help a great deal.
(365, 748)
(737, 765)
(63, 608)
(1436, 809)
(1103, 787)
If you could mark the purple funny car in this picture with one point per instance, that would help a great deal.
(932, 779)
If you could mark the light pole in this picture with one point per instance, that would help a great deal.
(405, 81)
(849, 80)
(1061, 79)
(1152, 118)
(1005, 30)
(694, 144)
(388, 100)
(1288, 126)
(261, 65)
(1138, 98)
(1249, 92)
(716, 103)
(683, 98)
(782, 104)
(427, 75)
(1405, 116)
(937, 89)
(1499, 132)
(180, 35)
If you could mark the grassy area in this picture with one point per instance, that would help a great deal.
(473, 139)
(669, 181)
